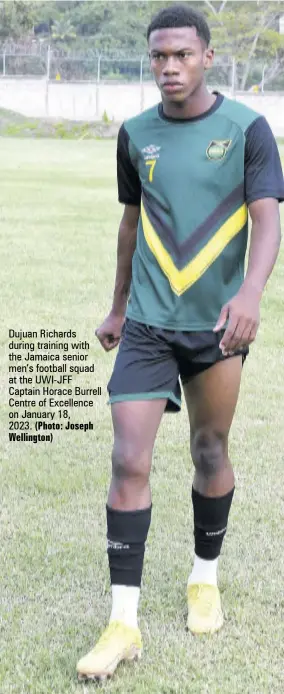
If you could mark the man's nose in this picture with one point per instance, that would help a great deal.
(171, 66)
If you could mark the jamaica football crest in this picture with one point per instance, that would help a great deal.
(218, 149)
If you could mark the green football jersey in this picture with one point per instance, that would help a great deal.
(193, 180)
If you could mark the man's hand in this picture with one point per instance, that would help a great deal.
(109, 332)
(243, 314)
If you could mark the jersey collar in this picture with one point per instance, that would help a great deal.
(212, 109)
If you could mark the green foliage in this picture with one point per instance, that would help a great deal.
(14, 125)
(246, 31)
(105, 118)
(20, 129)
(17, 18)
(63, 30)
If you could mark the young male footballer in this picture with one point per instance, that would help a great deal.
(189, 171)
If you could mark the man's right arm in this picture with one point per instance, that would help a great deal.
(129, 193)
(109, 332)
(125, 249)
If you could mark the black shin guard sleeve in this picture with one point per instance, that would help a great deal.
(210, 523)
(126, 536)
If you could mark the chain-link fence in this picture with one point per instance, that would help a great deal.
(41, 81)
(53, 64)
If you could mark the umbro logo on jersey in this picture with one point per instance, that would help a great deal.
(218, 149)
(151, 149)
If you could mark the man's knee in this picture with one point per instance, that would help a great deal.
(130, 462)
(209, 451)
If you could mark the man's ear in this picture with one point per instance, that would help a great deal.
(208, 58)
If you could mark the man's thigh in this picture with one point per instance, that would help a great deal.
(212, 395)
(145, 368)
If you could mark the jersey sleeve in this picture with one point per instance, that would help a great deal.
(263, 171)
(128, 181)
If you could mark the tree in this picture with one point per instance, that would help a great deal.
(274, 52)
(16, 19)
(115, 25)
(62, 30)
(248, 32)
(245, 34)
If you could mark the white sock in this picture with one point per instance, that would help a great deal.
(204, 571)
(125, 604)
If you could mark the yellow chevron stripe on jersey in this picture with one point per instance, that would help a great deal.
(181, 280)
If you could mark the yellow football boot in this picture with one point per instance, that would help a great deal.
(118, 642)
(204, 608)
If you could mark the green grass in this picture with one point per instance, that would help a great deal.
(59, 220)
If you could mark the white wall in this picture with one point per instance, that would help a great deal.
(87, 102)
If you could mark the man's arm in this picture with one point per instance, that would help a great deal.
(264, 189)
(243, 309)
(264, 244)
(125, 250)
(109, 333)
(129, 193)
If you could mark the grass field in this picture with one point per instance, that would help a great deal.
(59, 220)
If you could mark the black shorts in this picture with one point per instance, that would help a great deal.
(150, 361)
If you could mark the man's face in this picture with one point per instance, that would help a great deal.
(178, 59)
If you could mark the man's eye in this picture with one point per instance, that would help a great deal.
(184, 54)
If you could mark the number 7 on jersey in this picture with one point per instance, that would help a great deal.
(151, 163)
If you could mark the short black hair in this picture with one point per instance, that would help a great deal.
(180, 15)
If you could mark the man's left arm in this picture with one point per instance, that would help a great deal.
(264, 188)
